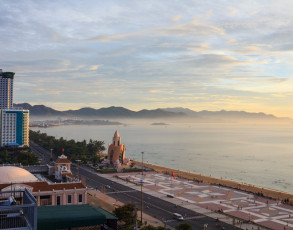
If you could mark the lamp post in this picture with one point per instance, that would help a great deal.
(141, 182)
(142, 163)
(141, 200)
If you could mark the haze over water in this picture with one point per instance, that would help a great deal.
(255, 154)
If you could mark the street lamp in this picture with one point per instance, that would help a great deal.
(141, 182)
(141, 200)
(142, 163)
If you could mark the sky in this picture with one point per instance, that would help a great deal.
(202, 55)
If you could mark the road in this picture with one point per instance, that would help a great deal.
(152, 206)
(43, 154)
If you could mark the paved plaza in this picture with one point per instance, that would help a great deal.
(211, 200)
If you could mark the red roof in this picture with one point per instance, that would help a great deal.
(63, 161)
(67, 174)
(44, 186)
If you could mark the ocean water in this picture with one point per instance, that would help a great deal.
(258, 154)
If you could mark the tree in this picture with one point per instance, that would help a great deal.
(184, 227)
(126, 213)
(75, 150)
(150, 227)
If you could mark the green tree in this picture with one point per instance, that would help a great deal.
(80, 150)
(150, 227)
(184, 227)
(126, 213)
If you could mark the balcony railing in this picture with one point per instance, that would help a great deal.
(18, 209)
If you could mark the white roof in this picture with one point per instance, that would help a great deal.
(14, 174)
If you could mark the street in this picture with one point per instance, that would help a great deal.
(152, 206)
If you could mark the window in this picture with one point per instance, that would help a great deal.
(58, 200)
(69, 199)
(80, 198)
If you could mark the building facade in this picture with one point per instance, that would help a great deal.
(14, 129)
(116, 152)
(6, 86)
(46, 193)
(14, 122)
(62, 168)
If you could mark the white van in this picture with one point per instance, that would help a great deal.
(178, 216)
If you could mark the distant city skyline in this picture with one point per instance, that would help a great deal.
(202, 55)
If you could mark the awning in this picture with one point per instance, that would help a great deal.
(68, 216)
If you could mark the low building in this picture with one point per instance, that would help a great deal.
(45, 192)
(63, 169)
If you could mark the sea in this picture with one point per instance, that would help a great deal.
(257, 154)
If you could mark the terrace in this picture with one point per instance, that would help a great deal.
(18, 209)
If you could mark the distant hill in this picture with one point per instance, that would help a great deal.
(110, 112)
(120, 112)
(40, 110)
(181, 110)
(226, 115)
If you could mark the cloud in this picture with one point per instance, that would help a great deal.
(232, 12)
(260, 79)
(195, 28)
(94, 67)
(176, 18)
(196, 52)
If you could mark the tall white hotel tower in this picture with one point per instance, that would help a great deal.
(14, 122)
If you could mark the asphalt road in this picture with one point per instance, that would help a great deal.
(153, 206)
(42, 153)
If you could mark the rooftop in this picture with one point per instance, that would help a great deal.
(13, 174)
(7, 75)
(70, 216)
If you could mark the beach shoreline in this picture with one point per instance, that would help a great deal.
(266, 192)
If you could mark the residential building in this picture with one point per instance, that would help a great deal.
(14, 122)
(14, 129)
(6, 89)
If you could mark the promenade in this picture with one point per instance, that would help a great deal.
(211, 200)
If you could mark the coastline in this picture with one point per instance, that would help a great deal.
(266, 192)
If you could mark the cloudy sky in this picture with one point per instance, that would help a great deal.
(204, 55)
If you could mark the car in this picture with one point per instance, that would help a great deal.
(178, 216)
(107, 186)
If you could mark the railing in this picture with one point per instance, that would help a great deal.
(22, 214)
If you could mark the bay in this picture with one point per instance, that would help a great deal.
(258, 154)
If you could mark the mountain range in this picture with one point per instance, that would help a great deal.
(121, 112)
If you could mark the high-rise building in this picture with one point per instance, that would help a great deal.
(6, 86)
(14, 122)
(14, 128)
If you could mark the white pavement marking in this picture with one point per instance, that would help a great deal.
(203, 192)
